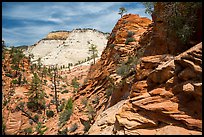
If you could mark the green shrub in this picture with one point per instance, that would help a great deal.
(116, 57)
(50, 113)
(64, 86)
(65, 91)
(87, 126)
(25, 81)
(63, 132)
(20, 105)
(14, 81)
(112, 35)
(149, 6)
(40, 129)
(69, 104)
(130, 34)
(108, 92)
(91, 111)
(65, 115)
(179, 16)
(85, 81)
(112, 45)
(61, 107)
(28, 131)
(32, 105)
(53, 101)
(14, 67)
(5, 102)
(45, 81)
(36, 118)
(96, 99)
(8, 75)
(3, 129)
(75, 84)
(73, 127)
(84, 101)
(123, 70)
(129, 40)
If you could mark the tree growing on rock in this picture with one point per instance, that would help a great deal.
(36, 94)
(149, 7)
(75, 84)
(55, 83)
(16, 55)
(122, 10)
(180, 17)
(93, 51)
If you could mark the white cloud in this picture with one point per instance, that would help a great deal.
(38, 17)
(25, 35)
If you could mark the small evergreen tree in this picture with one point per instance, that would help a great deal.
(65, 115)
(36, 94)
(75, 84)
(93, 51)
(16, 55)
(55, 78)
(122, 10)
(149, 7)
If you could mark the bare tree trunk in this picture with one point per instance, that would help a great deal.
(55, 89)
(27, 114)
(94, 56)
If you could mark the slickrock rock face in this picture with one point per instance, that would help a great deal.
(62, 47)
(168, 101)
(165, 94)
(98, 91)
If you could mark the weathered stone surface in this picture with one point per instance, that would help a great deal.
(13, 124)
(162, 110)
(188, 88)
(162, 96)
(190, 64)
(186, 74)
(163, 72)
(131, 120)
(105, 121)
(165, 41)
(175, 130)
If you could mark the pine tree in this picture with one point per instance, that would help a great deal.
(122, 10)
(93, 51)
(55, 78)
(36, 94)
(17, 56)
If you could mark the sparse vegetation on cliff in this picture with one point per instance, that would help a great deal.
(36, 95)
(122, 10)
(94, 52)
(65, 115)
(119, 95)
(180, 17)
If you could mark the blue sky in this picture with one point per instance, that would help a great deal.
(25, 23)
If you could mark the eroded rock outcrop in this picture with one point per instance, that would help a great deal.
(164, 39)
(166, 91)
(169, 106)
(103, 81)
(57, 35)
